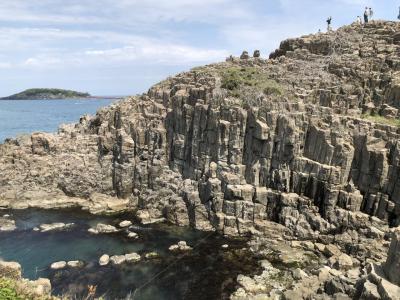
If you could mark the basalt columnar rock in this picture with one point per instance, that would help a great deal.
(308, 139)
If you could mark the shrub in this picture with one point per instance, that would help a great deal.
(240, 80)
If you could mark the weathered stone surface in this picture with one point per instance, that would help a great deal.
(315, 149)
(10, 269)
(392, 265)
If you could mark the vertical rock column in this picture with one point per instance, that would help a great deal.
(392, 265)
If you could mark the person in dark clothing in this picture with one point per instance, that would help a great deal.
(366, 14)
(329, 21)
(398, 17)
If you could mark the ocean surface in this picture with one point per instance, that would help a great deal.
(207, 272)
(26, 116)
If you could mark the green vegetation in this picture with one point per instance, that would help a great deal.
(239, 79)
(8, 290)
(33, 94)
(12, 289)
(381, 120)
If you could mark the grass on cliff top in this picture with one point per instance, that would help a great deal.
(381, 120)
(238, 79)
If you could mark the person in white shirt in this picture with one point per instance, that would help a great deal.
(370, 13)
(359, 21)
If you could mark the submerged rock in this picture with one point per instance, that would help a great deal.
(151, 255)
(7, 224)
(55, 227)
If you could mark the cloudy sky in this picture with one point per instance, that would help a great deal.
(121, 47)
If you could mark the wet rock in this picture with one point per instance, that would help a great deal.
(75, 264)
(117, 259)
(7, 225)
(124, 224)
(58, 265)
(151, 255)
(10, 269)
(55, 227)
(132, 257)
(104, 260)
(103, 228)
(181, 246)
(133, 235)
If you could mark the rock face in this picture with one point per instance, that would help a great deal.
(392, 265)
(310, 142)
(191, 153)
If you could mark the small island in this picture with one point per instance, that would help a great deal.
(46, 94)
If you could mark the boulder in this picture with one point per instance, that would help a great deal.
(75, 264)
(125, 223)
(58, 265)
(104, 260)
(103, 228)
(244, 55)
(132, 257)
(117, 259)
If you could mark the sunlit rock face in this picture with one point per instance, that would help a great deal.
(308, 138)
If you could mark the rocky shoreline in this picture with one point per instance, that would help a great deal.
(299, 151)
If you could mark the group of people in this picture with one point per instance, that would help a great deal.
(368, 14)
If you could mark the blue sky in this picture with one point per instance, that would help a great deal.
(122, 47)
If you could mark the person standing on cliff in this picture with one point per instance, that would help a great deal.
(370, 13)
(359, 21)
(329, 21)
(398, 17)
(366, 13)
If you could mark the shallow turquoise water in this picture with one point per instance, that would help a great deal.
(26, 116)
(207, 272)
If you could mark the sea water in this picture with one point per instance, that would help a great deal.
(19, 117)
(209, 271)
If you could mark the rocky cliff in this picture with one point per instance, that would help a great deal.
(308, 138)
